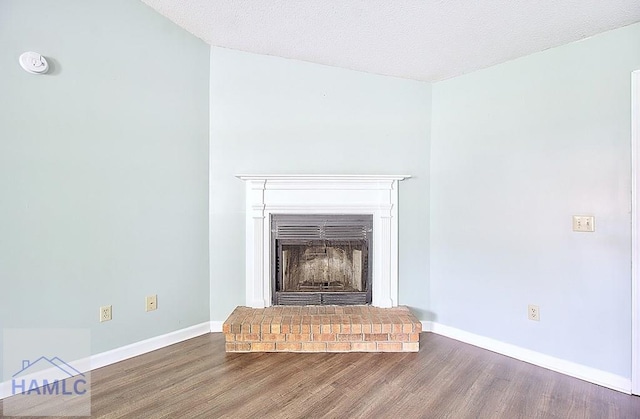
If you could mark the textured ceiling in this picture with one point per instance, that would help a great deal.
(415, 39)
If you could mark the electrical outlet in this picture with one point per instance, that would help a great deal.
(151, 303)
(534, 312)
(105, 313)
(584, 223)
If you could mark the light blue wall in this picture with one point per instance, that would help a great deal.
(104, 177)
(272, 115)
(516, 150)
(103, 170)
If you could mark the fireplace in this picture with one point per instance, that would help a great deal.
(320, 259)
(357, 196)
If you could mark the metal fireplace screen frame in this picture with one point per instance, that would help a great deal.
(301, 244)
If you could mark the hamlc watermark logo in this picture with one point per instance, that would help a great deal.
(73, 383)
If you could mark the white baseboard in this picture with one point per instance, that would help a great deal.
(426, 326)
(592, 375)
(120, 354)
(216, 326)
(129, 351)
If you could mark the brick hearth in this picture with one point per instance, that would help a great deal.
(322, 329)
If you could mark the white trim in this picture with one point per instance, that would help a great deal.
(376, 195)
(213, 270)
(635, 226)
(592, 375)
(216, 326)
(129, 351)
(124, 352)
(427, 326)
(329, 178)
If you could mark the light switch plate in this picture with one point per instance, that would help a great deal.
(585, 223)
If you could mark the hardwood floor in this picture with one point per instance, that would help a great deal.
(446, 379)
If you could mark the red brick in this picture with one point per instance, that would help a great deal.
(272, 337)
(263, 346)
(350, 337)
(390, 346)
(298, 337)
(324, 337)
(376, 337)
(400, 337)
(244, 337)
(340, 324)
(410, 347)
(338, 347)
(363, 347)
(243, 347)
(289, 346)
(314, 346)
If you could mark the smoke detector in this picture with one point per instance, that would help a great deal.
(34, 63)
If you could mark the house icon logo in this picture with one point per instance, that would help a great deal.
(48, 376)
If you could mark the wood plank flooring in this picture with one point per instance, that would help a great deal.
(445, 379)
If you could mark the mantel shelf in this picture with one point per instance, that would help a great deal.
(332, 177)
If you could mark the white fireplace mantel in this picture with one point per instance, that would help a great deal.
(322, 194)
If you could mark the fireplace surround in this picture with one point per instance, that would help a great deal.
(270, 196)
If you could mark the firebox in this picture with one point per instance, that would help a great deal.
(321, 259)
